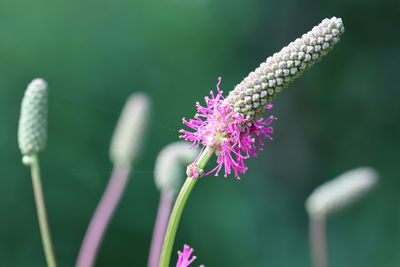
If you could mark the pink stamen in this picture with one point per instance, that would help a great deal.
(234, 137)
(185, 258)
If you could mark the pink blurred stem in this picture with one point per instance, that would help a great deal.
(318, 242)
(102, 216)
(163, 213)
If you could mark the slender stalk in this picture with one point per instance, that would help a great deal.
(41, 211)
(318, 242)
(102, 216)
(178, 208)
(164, 209)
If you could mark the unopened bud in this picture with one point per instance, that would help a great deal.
(32, 130)
(170, 165)
(129, 133)
(341, 192)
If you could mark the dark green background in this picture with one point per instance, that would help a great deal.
(341, 114)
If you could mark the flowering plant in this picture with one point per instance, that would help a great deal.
(232, 127)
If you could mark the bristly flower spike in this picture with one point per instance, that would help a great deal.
(233, 126)
(185, 258)
(32, 131)
(279, 70)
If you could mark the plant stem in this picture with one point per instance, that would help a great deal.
(178, 208)
(164, 209)
(41, 211)
(318, 242)
(102, 216)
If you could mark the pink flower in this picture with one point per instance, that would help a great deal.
(184, 259)
(233, 136)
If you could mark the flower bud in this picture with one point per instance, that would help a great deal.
(129, 132)
(32, 130)
(170, 165)
(261, 86)
(341, 191)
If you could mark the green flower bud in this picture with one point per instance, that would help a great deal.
(170, 164)
(129, 133)
(341, 192)
(32, 130)
(283, 67)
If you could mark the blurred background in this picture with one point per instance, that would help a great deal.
(343, 113)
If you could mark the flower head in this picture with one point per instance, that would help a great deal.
(184, 258)
(233, 136)
(233, 126)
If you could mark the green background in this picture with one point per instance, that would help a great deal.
(341, 114)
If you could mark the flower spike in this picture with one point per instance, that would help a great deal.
(262, 85)
(233, 126)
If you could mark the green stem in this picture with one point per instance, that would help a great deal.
(41, 210)
(178, 208)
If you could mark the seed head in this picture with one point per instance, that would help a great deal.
(129, 132)
(170, 163)
(341, 191)
(262, 85)
(32, 130)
